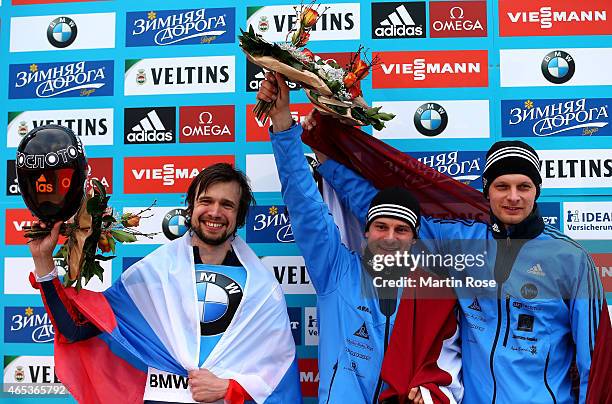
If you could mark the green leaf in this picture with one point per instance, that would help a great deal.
(123, 236)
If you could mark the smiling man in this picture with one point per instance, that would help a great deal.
(189, 318)
(521, 337)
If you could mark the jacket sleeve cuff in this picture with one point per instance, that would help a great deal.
(49, 277)
(236, 394)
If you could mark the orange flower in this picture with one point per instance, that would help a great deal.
(308, 53)
(355, 90)
(309, 17)
(132, 221)
(103, 243)
(349, 80)
(300, 38)
(361, 69)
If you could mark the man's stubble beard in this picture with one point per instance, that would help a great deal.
(211, 241)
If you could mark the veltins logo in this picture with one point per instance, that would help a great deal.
(167, 174)
(465, 68)
(295, 322)
(588, 220)
(584, 168)
(27, 370)
(207, 124)
(63, 79)
(398, 20)
(27, 324)
(93, 126)
(568, 67)
(149, 125)
(190, 75)
(311, 327)
(180, 27)
(464, 166)
(257, 129)
(454, 19)
(435, 119)
(556, 117)
(309, 377)
(60, 32)
(291, 273)
(339, 22)
(551, 213)
(603, 263)
(558, 67)
(529, 18)
(268, 224)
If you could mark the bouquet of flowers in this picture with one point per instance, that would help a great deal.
(94, 228)
(333, 89)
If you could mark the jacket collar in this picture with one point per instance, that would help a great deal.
(528, 229)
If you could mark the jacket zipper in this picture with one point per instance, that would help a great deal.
(379, 383)
(552, 395)
(331, 383)
(507, 319)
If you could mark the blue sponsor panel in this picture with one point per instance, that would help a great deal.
(64, 79)
(295, 321)
(268, 224)
(464, 166)
(180, 27)
(556, 117)
(27, 324)
(551, 213)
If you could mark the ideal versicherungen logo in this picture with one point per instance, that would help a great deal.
(558, 67)
(430, 119)
(62, 32)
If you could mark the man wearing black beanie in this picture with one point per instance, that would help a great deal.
(355, 316)
(521, 335)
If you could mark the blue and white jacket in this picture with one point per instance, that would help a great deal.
(353, 331)
(520, 337)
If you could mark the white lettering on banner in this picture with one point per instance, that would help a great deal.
(560, 115)
(420, 68)
(545, 16)
(457, 23)
(168, 173)
(60, 79)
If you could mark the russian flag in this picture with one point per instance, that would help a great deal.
(149, 319)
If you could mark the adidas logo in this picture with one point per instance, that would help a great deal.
(399, 24)
(475, 305)
(150, 129)
(362, 332)
(536, 270)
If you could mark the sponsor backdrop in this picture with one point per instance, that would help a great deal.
(157, 92)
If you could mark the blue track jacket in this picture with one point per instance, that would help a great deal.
(518, 339)
(351, 324)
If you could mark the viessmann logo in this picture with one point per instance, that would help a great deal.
(257, 129)
(165, 174)
(180, 27)
(556, 117)
(527, 18)
(207, 124)
(466, 68)
(65, 79)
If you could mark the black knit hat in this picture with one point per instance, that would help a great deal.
(511, 157)
(395, 203)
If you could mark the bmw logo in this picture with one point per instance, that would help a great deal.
(218, 299)
(174, 224)
(558, 67)
(62, 32)
(430, 119)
